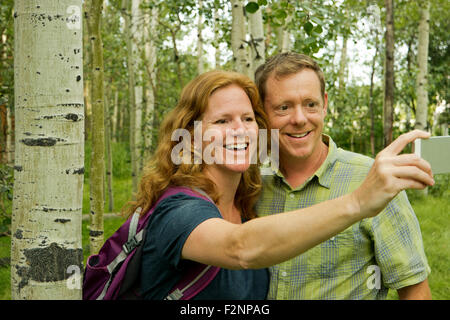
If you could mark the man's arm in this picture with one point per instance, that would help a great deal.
(419, 291)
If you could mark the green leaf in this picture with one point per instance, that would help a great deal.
(262, 2)
(310, 40)
(252, 7)
(308, 27)
(281, 14)
(318, 29)
(316, 20)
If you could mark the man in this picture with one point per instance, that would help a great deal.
(367, 259)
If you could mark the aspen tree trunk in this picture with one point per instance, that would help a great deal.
(389, 74)
(200, 59)
(132, 99)
(87, 54)
(9, 137)
(371, 104)
(136, 30)
(216, 37)
(115, 116)
(108, 149)
(422, 62)
(284, 36)
(238, 37)
(343, 65)
(422, 76)
(151, 22)
(258, 45)
(97, 171)
(46, 251)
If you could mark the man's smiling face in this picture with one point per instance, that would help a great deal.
(294, 105)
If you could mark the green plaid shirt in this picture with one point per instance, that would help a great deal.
(363, 261)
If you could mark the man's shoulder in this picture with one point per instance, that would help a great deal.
(353, 159)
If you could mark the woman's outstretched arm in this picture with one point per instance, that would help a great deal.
(266, 241)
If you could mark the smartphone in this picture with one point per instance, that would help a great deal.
(436, 150)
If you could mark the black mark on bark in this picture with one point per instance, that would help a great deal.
(48, 264)
(62, 220)
(93, 233)
(75, 171)
(41, 142)
(71, 116)
(18, 234)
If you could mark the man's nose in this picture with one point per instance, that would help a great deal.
(298, 116)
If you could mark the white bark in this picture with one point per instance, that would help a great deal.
(132, 99)
(9, 134)
(136, 30)
(216, 38)
(115, 116)
(200, 60)
(238, 38)
(422, 61)
(150, 28)
(258, 45)
(342, 74)
(284, 36)
(46, 251)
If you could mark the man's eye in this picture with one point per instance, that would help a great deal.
(283, 107)
(312, 104)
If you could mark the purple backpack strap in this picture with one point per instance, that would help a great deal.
(196, 279)
(198, 276)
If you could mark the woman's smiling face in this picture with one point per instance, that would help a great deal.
(229, 130)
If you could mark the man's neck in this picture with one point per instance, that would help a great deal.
(297, 171)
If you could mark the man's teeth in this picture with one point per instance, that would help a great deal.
(299, 135)
(239, 146)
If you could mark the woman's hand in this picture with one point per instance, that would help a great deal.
(392, 173)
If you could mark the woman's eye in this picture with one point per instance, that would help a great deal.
(249, 119)
(283, 107)
(220, 121)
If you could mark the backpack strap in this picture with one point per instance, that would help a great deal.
(196, 278)
(134, 240)
(187, 288)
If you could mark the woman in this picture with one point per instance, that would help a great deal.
(225, 106)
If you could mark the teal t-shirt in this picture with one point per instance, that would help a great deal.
(162, 267)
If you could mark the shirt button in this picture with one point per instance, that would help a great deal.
(284, 274)
(291, 195)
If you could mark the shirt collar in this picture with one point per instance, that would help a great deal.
(323, 174)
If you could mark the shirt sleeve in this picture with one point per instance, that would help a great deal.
(398, 245)
(173, 221)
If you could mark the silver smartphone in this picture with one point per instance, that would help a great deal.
(436, 150)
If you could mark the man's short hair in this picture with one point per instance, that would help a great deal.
(284, 64)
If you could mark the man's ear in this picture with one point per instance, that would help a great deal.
(325, 103)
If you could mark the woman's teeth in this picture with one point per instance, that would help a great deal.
(237, 147)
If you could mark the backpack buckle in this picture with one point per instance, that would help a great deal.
(130, 245)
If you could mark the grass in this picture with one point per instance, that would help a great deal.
(432, 212)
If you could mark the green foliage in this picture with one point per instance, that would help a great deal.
(6, 52)
(6, 196)
(252, 7)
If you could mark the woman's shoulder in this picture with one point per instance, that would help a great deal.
(186, 205)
